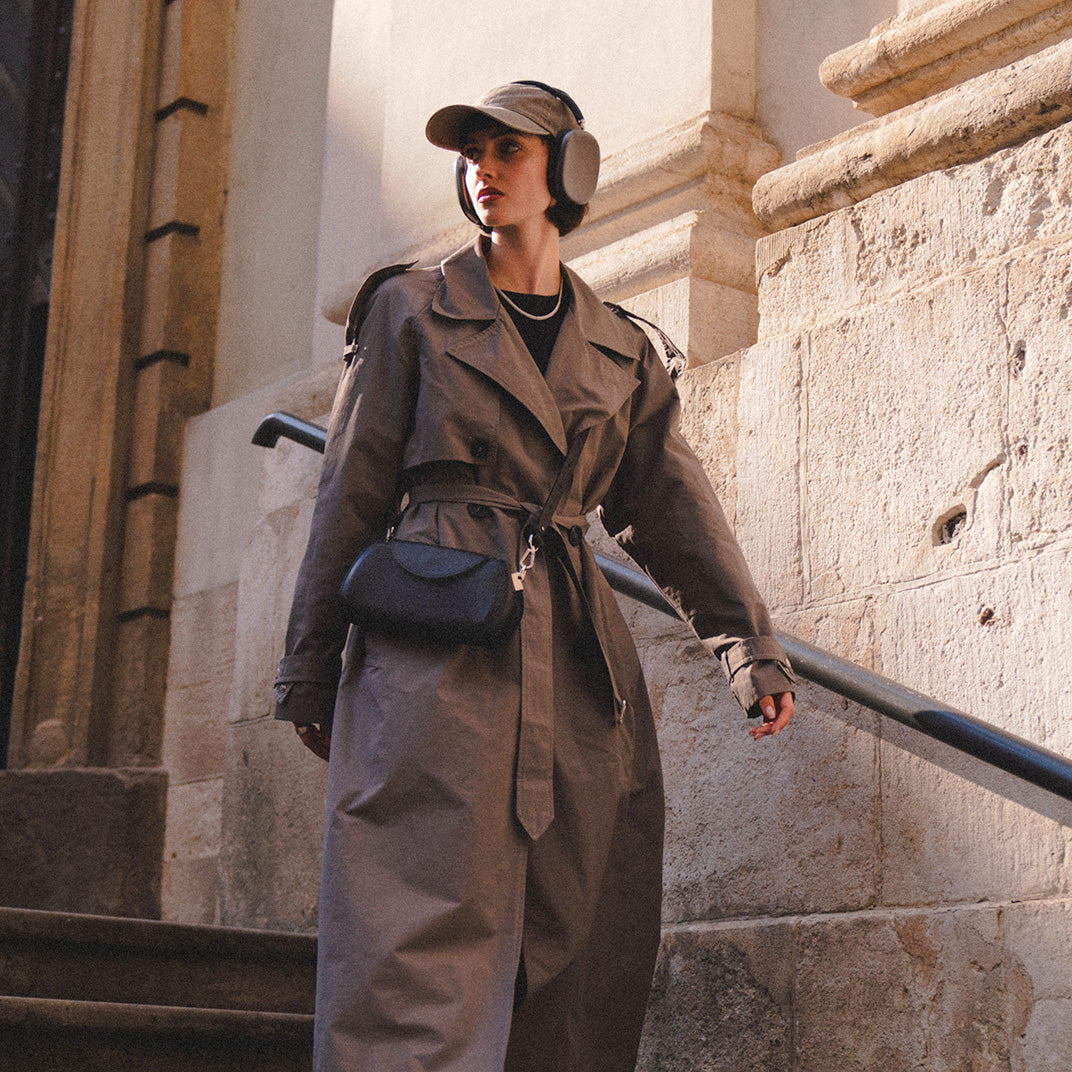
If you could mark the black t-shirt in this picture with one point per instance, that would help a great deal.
(538, 335)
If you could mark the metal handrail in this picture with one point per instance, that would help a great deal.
(962, 731)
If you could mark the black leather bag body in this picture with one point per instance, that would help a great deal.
(438, 595)
(447, 595)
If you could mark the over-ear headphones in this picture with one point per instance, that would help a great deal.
(572, 164)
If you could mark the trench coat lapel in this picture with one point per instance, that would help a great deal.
(592, 370)
(499, 354)
(494, 349)
(588, 377)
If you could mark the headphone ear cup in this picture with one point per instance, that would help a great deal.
(463, 194)
(576, 167)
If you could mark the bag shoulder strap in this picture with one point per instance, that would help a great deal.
(674, 360)
(361, 303)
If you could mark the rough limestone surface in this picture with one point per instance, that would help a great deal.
(911, 512)
(83, 840)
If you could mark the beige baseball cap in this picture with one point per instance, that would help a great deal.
(520, 107)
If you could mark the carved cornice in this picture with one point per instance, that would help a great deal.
(966, 123)
(932, 47)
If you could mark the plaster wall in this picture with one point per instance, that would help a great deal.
(793, 107)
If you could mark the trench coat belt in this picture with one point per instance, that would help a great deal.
(534, 799)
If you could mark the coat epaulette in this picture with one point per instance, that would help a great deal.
(674, 360)
(361, 302)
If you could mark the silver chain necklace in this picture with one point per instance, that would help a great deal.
(532, 316)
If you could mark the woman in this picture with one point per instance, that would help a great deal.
(493, 840)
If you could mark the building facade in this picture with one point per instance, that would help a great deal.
(875, 306)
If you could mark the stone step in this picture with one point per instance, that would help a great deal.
(56, 955)
(48, 1034)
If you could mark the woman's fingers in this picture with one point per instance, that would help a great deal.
(776, 711)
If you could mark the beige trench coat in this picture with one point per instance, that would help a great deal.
(495, 808)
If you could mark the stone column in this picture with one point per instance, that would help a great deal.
(129, 357)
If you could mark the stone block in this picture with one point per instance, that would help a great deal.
(161, 408)
(903, 434)
(190, 891)
(186, 170)
(669, 306)
(275, 549)
(178, 309)
(722, 999)
(82, 840)
(194, 820)
(220, 482)
(709, 397)
(724, 320)
(199, 683)
(1040, 477)
(191, 868)
(773, 427)
(901, 239)
(1038, 940)
(134, 731)
(194, 61)
(876, 991)
(760, 828)
(954, 828)
(845, 629)
(290, 474)
(992, 642)
(272, 828)
(148, 554)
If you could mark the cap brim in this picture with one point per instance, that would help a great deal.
(448, 126)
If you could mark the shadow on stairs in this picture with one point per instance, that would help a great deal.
(94, 993)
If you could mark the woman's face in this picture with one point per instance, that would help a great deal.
(507, 176)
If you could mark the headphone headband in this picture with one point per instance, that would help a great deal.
(561, 94)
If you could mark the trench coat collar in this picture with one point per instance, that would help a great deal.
(590, 373)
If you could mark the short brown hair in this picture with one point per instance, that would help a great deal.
(566, 216)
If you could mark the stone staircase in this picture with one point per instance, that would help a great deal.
(99, 994)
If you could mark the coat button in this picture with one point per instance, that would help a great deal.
(576, 535)
(479, 448)
(479, 510)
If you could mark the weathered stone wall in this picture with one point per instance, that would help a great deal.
(866, 898)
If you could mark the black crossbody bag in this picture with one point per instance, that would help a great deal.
(446, 595)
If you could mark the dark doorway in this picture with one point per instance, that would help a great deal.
(34, 52)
